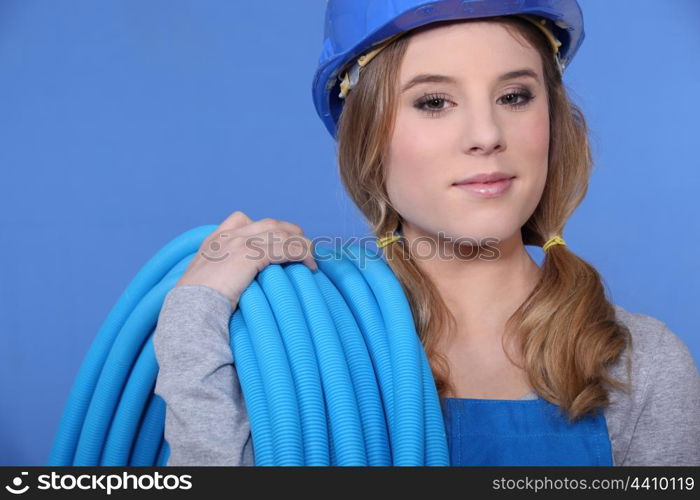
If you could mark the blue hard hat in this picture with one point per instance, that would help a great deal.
(354, 26)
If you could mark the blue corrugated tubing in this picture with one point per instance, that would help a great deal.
(345, 381)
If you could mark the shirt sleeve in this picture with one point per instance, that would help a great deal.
(206, 422)
(667, 431)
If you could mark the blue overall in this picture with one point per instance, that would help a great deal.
(522, 432)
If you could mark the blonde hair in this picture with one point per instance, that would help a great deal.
(566, 328)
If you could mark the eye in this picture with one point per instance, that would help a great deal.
(517, 99)
(432, 104)
(429, 104)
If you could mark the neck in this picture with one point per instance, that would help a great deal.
(481, 285)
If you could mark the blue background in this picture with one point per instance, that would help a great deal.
(124, 123)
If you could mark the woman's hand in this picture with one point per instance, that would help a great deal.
(230, 258)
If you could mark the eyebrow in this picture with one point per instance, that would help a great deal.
(434, 78)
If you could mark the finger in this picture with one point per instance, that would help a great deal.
(267, 225)
(234, 221)
(226, 229)
(294, 250)
(302, 248)
(280, 246)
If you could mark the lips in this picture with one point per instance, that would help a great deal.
(486, 178)
(490, 189)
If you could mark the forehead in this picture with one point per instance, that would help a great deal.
(457, 48)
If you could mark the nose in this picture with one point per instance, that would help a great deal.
(482, 134)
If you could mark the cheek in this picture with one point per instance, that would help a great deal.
(529, 137)
(412, 163)
(538, 140)
(532, 148)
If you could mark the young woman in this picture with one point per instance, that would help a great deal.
(459, 144)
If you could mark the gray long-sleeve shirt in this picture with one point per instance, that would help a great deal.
(206, 423)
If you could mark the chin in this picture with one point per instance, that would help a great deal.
(493, 230)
